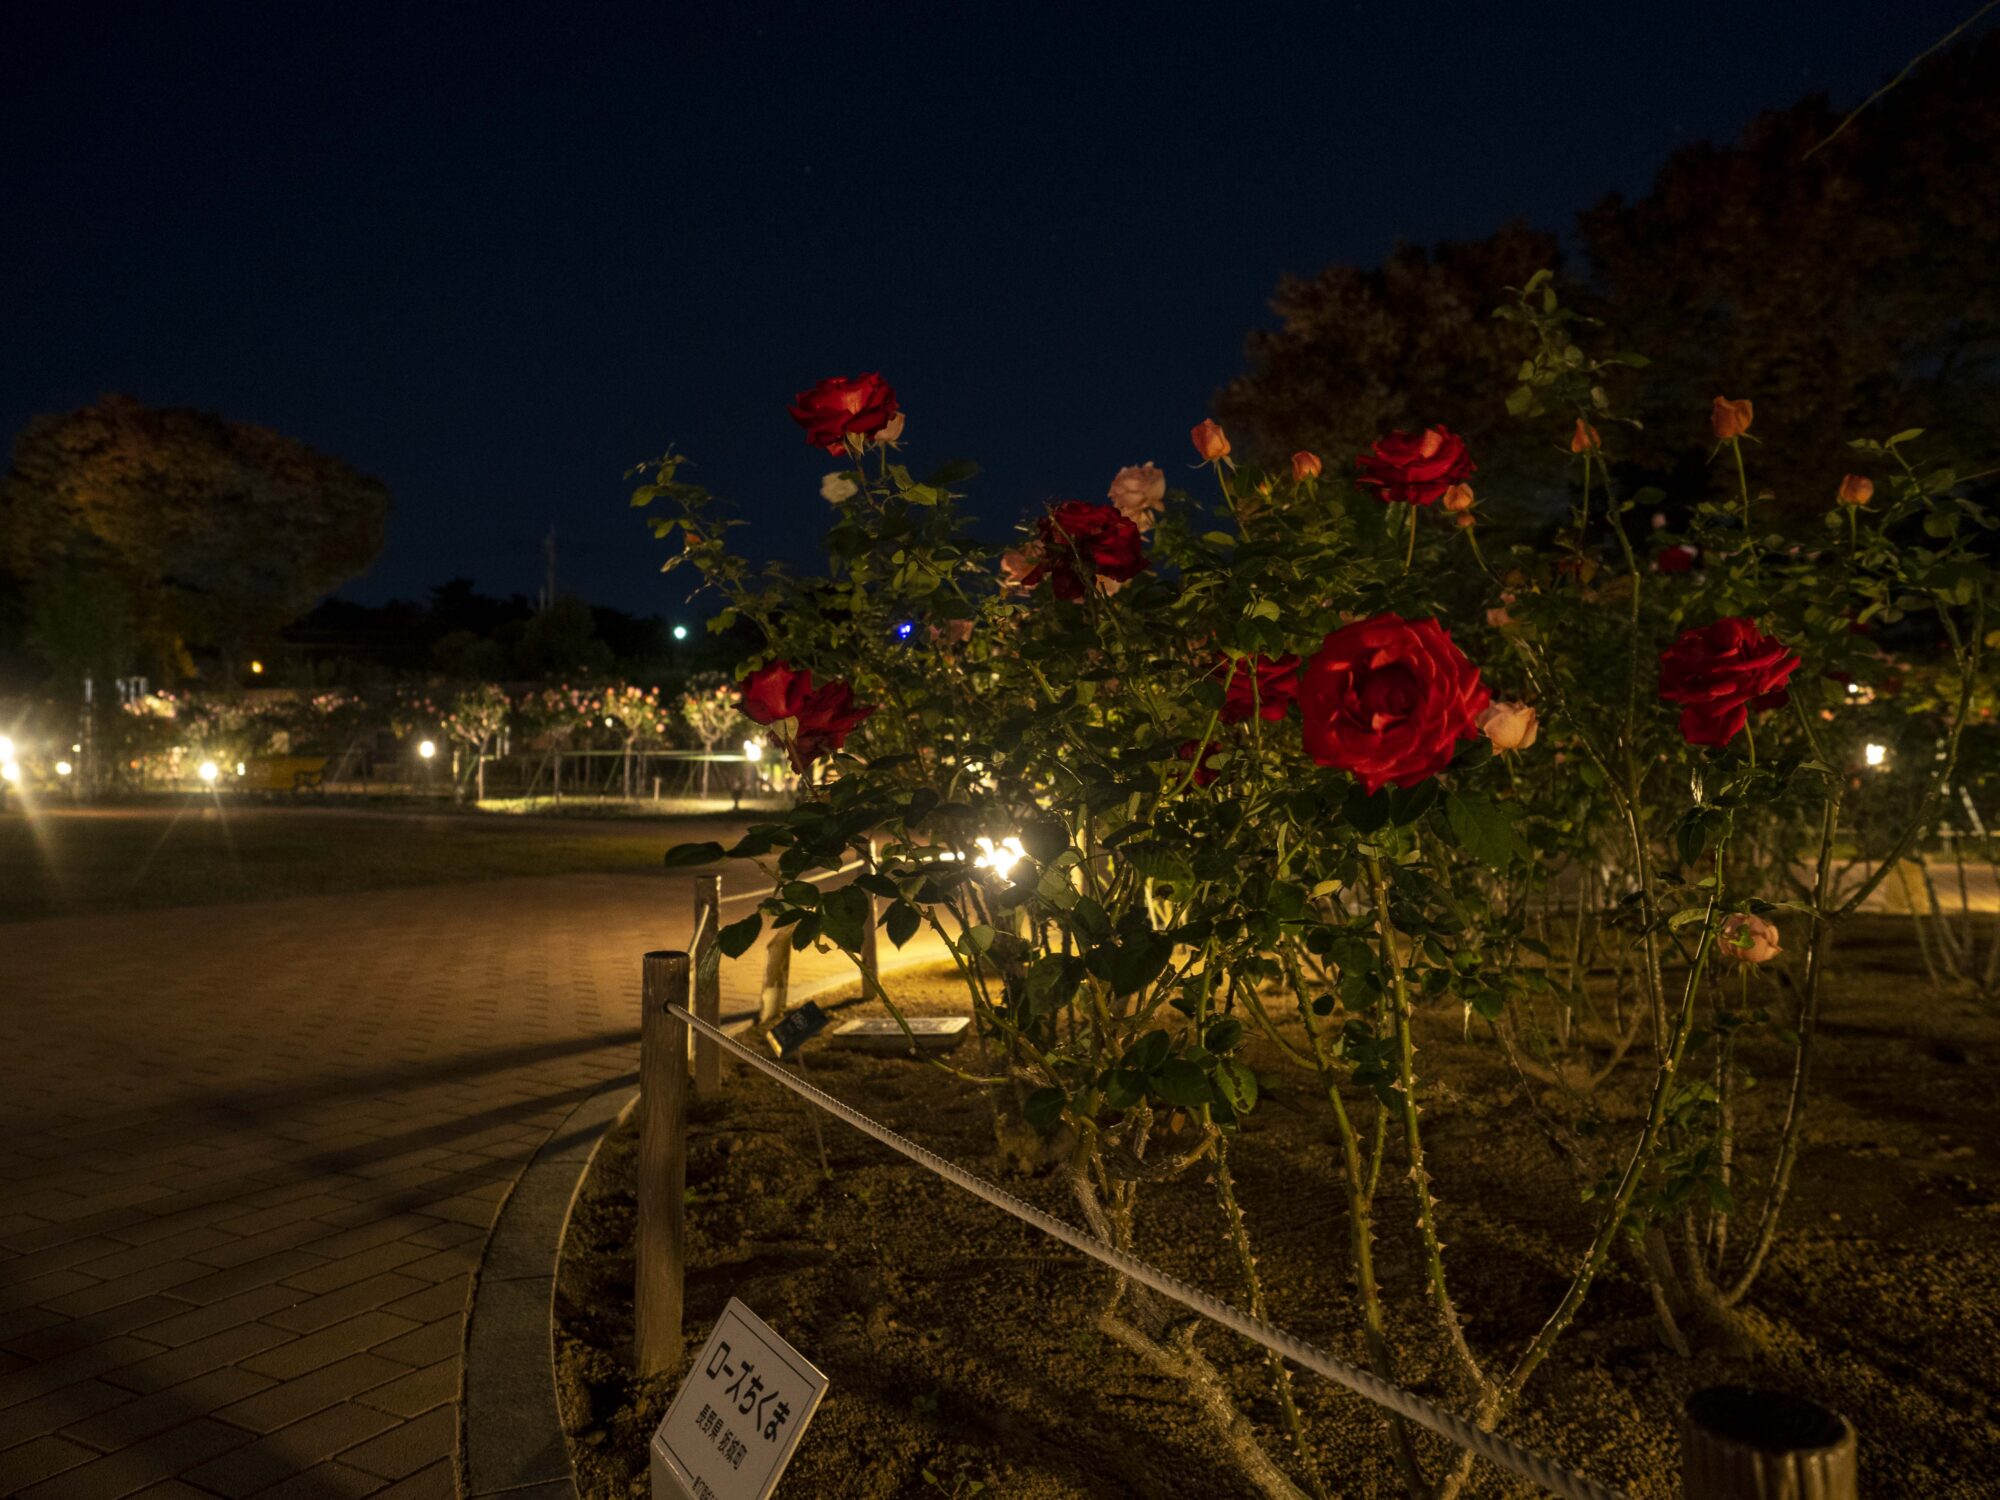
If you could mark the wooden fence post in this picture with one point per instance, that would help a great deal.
(707, 981)
(777, 976)
(661, 1241)
(1742, 1444)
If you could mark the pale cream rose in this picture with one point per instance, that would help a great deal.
(1509, 726)
(1140, 493)
(1749, 938)
(837, 487)
(1016, 563)
(892, 430)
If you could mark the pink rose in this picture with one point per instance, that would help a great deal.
(1749, 938)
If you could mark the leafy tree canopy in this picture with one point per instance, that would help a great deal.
(208, 534)
(1839, 284)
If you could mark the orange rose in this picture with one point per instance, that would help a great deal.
(1585, 438)
(1856, 489)
(1305, 466)
(1210, 441)
(1730, 419)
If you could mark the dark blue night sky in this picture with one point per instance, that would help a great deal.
(496, 254)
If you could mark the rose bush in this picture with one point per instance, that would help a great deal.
(1295, 772)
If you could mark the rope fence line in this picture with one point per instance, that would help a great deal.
(1447, 1424)
(759, 893)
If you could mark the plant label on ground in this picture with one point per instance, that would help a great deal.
(737, 1419)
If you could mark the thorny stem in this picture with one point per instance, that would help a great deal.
(1420, 1184)
(1281, 1375)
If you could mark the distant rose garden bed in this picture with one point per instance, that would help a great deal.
(1451, 951)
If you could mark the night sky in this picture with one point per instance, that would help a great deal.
(496, 255)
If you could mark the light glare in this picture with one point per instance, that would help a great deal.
(1000, 858)
(63, 768)
(427, 749)
(208, 772)
(1875, 755)
(753, 749)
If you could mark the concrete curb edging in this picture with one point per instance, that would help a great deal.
(511, 1440)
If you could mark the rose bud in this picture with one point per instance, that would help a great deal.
(1305, 466)
(1585, 438)
(1856, 489)
(1466, 522)
(837, 487)
(1509, 726)
(1210, 441)
(1749, 938)
(1730, 419)
(1458, 498)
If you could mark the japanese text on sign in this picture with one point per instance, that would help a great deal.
(735, 1421)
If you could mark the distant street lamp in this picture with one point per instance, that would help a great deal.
(208, 772)
(680, 632)
(256, 669)
(1876, 755)
(753, 750)
(63, 768)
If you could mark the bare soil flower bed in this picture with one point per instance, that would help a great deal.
(961, 1346)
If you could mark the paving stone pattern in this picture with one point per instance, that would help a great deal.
(250, 1156)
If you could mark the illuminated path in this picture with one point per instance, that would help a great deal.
(249, 1157)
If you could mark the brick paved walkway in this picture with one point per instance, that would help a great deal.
(249, 1156)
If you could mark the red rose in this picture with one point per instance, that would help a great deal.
(1204, 774)
(1388, 699)
(835, 407)
(774, 692)
(822, 718)
(1416, 468)
(1099, 537)
(1718, 673)
(1676, 559)
(1266, 689)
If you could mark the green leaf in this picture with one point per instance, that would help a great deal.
(735, 939)
(1182, 1082)
(1483, 827)
(1149, 1051)
(901, 922)
(1223, 1035)
(976, 940)
(845, 914)
(682, 856)
(1237, 1084)
(1157, 862)
(1043, 1108)
(1044, 838)
(1123, 1088)
(800, 893)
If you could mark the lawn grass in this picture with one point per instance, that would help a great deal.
(57, 863)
